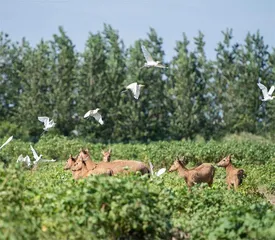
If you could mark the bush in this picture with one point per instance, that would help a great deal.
(8, 129)
(95, 208)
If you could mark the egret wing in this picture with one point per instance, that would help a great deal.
(27, 160)
(146, 54)
(98, 118)
(161, 171)
(134, 88)
(10, 138)
(20, 158)
(160, 66)
(87, 114)
(43, 119)
(46, 160)
(151, 168)
(271, 90)
(34, 153)
(263, 88)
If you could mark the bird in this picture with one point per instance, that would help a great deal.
(47, 123)
(26, 160)
(46, 160)
(267, 94)
(135, 88)
(149, 60)
(158, 173)
(35, 155)
(5, 143)
(95, 114)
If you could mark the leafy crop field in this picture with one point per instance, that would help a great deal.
(49, 204)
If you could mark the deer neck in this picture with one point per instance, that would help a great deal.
(229, 167)
(182, 170)
(89, 163)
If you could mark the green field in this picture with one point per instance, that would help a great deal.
(49, 204)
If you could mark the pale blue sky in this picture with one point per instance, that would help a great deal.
(36, 19)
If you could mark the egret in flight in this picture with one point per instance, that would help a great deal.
(135, 89)
(150, 62)
(95, 114)
(47, 123)
(5, 143)
(267, 94)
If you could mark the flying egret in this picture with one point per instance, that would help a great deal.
(35, 155)
(158, 173)
(26, 160)
(95, 114)
(10, 138)
(150, 62)
(267, 95)
(135, 88)
(47, 123)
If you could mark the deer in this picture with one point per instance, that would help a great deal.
(69, 164)
(202, 173)
(106, 156)
(80, 166)
(118, 166)
(234, 176)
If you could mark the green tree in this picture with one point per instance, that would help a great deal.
(10, 65)
(189, 75)
(37, 88)
(92, 84)
(64, 81)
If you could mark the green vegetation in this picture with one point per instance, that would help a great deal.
(194, 96)
(49, 204)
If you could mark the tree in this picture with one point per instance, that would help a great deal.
(144, 119)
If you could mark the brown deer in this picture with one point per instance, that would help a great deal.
(234, 176)
(106, 156)
(81, 167)
(69, 164)
(203, 173)
(118, 166)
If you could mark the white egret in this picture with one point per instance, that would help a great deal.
(135, 88)
(47, 123)
(5, 143)
(26, 160)
(150, 62)
(35, 155)
(267, 94)
(46, 160)
(95, 114)
(158, 173)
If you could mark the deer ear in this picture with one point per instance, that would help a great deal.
(86, 150)
(110, 150)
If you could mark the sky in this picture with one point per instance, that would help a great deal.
(37, 19)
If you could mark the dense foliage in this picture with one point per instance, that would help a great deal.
(49, 204)
(195, 96)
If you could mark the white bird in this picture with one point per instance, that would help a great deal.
(35, 155)
(26, 160)
(267, 94)
(10, 138)
(47, 123)
(95, 114)
(45, 160)
(150, 62)
(159, 172)
(135, 88)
